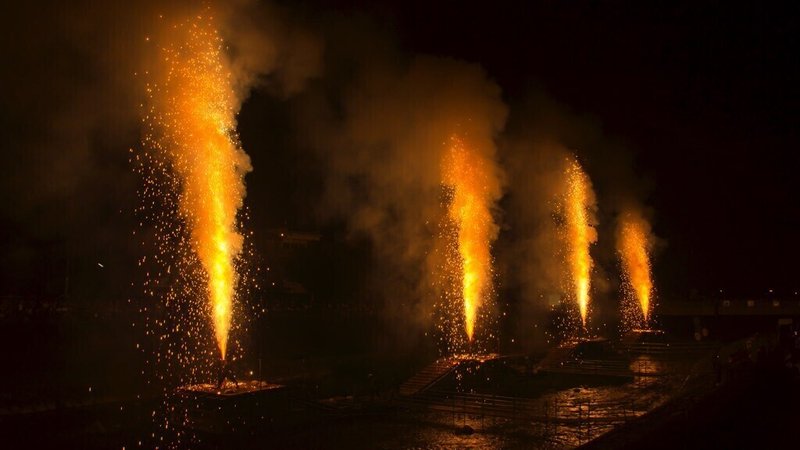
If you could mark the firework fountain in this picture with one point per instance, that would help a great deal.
(473, 183)
(192, 120)
(634, 245)
(580, 233)
(194, 169)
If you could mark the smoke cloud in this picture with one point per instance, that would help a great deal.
(376, 120)
(381, 129)
(72, 98)
(542, 135)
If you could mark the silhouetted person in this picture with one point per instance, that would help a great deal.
(225, 371)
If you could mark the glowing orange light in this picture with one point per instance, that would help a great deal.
(192, 119)
(580, 234)
(633, 246)
(469, 176)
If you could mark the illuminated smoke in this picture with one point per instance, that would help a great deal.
(191, 118)
(389, 147)
(472, 181)
(634, 245)
(580, 233)
(196, 68)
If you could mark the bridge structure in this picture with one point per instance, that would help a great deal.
(421, 393)
(786, 307)
(429, 376)
(565, 415)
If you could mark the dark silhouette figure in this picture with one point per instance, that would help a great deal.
(225, 371)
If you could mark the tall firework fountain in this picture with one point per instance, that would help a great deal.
(580, 234)
(473, 185)
(634, 245)
(190, 119)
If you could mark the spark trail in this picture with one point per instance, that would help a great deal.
(472, 180)
(633, 246)
(191, 119)
(580, 233)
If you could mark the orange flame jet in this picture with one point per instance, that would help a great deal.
(192, 119)
(633, 246)
(470, 177)
(580, 233)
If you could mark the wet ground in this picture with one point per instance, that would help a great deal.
(574, 410)
(588, 407)
(755, 408)
(63, 413)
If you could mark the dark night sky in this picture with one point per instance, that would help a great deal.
(704, 96)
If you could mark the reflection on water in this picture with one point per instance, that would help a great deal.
(446, 438)
(563, 418)
(423, 431)
(647, 365)
(647, 370)
(558, 411)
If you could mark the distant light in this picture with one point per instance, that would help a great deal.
(100, 264)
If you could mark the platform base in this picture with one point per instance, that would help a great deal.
(248, 405)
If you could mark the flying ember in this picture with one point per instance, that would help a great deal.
(191, 119)
(580, 233)
(633, 245)
(470, 177)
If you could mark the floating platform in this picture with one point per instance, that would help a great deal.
(229, 388)
(644, 335)
(233, 407)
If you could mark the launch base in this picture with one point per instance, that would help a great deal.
(248, 405)
(230, 388)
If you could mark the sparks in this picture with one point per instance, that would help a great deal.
(192, 120)
(470, 178)
(633, 246)
(580, 234)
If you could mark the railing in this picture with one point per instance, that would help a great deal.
(573, 412)
(670, 348)
(429, 376)
(592, 367)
